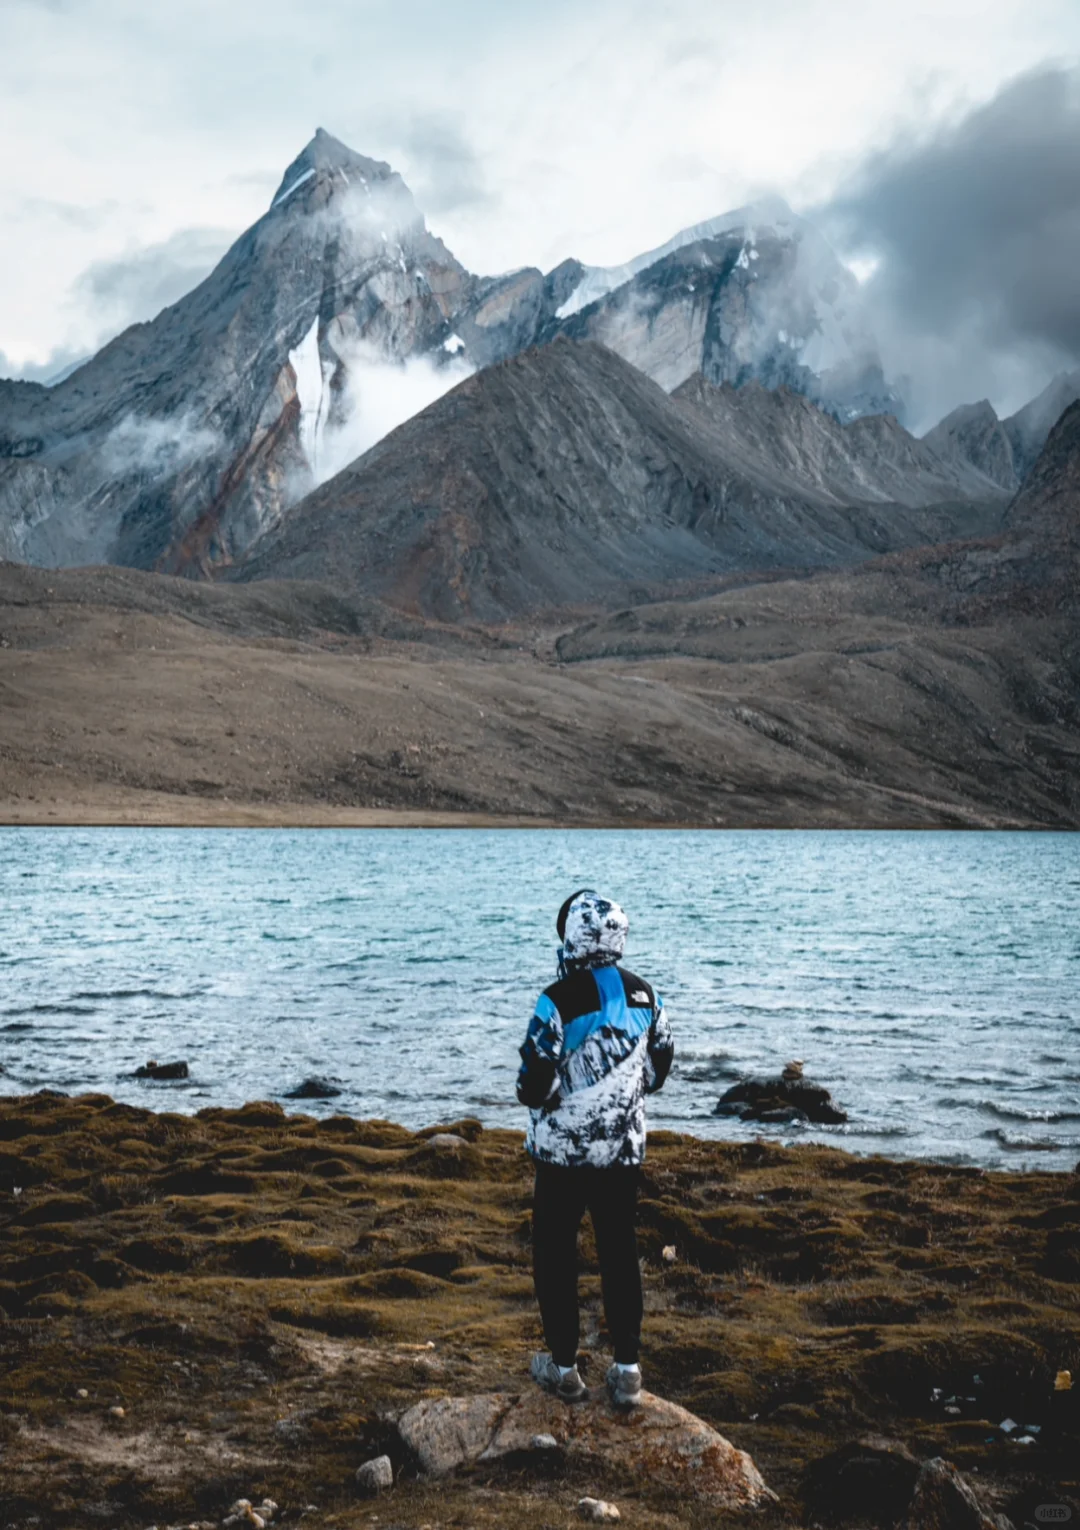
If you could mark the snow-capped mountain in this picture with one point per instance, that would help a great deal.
(337, 316)
(184, 438)
(755, 294)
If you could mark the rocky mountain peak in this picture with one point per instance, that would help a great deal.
(327, 169)
(973, 433)
(1030, 426)
(1048, 507)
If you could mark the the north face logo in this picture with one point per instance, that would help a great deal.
(639, 996)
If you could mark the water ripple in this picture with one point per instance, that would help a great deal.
(927, 979)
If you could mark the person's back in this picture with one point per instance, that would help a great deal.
(598, 1043)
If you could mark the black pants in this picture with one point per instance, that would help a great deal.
(560, 1201)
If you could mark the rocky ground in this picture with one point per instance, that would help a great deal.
(242, 1303)
(855, 699)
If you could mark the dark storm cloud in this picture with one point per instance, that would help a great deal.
(977, 227)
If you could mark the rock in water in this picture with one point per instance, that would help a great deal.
(658, 1439)
(375, 1476)
(163, 1072)
(944, 1501)
(314, 1089)
(780, 1100)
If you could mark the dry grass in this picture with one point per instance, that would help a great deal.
(258, 1292)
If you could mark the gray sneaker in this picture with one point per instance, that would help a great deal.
(569, 1388)
(624, 1386)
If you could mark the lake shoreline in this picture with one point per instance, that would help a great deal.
(112, 808)
(261, 1294)
(926, 981)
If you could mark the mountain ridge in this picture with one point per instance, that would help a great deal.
(186, 439)
(563, 477)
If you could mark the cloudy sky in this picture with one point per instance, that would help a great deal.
(938, 143)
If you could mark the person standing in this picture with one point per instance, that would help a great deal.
(597, 1044)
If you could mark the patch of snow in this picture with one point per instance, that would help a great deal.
(453, 344)
(299, 181)
(743, 262)
(312, 394)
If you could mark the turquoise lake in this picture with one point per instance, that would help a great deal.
(930, 980)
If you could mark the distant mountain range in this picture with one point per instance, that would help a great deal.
(564, 477)
(715, 406)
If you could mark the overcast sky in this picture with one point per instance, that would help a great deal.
(140, 139)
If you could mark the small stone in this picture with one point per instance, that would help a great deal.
(598, 1511)
(953, 1410)
(117, 1412)
(669, 1254)
(241, 1508)
(314, 1089)
(268, 1508)
(1007, 1425)
(375, 1476)
(1062, 1381)
(82, 1394)
(447, 1140)
(162, 1072)
(544, 1442)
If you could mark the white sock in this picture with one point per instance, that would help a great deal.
(564, 1370)
(624, 1368)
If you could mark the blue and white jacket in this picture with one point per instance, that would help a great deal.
(598, 1043)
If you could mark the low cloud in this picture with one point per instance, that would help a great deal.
(379, 396)
(136, 286)
(56, 366)
(975, 231)
(156, 446)
(441, 165)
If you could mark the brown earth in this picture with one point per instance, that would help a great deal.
(860, 699)
(264, 1294)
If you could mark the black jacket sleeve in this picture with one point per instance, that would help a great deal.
(540, 1053)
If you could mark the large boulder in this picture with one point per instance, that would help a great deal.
(779, 1101)
(658, 1441)
(944, 1501)
(869, 1481)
